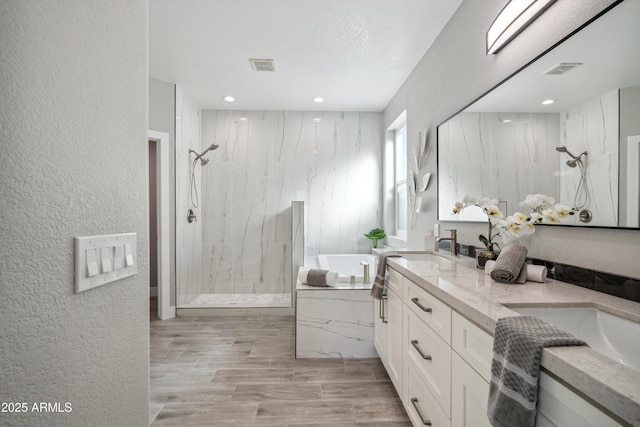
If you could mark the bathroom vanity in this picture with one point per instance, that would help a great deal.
(433, 332)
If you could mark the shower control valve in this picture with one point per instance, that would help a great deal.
(191, 216)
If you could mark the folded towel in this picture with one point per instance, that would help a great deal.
(535, 273)
(315, 277)
(509, 264)
(517, 349)
(377, 290)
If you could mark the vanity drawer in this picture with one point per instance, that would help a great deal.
(420, 404)
(473, 344)
(394, 281)
(430, 309)
(430, 357)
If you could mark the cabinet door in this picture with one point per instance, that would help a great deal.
(430, 356)
(380, 329)
(422, 408)
(560, 407)
(469, 395)
(394, 339)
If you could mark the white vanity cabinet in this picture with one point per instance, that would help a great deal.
(387, 333)
(470, 373)
(440, 364)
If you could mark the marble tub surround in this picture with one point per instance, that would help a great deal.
(334, 322)
(473, 294)
(265, 162)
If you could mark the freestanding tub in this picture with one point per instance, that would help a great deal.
(347, 265)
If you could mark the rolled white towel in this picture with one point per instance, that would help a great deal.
(535, 273)
(330, 277)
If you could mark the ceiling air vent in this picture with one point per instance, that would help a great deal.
(563, 67)
(263, 64)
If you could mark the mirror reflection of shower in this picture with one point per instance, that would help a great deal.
(193, 188)
(581, 198)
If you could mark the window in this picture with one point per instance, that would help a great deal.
(400, 181)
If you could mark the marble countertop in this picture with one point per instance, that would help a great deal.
(472, 293)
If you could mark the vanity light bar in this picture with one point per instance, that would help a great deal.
(514, 18)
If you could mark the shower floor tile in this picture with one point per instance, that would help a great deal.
(242, 300)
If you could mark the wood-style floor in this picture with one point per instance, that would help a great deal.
(242, 371)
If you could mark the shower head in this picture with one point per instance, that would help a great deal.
(572, 163)
(563, 149)
(204, 161)
(209, 148)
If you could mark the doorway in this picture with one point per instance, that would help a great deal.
(159, 246)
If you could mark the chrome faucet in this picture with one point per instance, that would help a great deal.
(365, 278)
(454, 241)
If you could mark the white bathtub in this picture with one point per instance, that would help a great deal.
(347, 265)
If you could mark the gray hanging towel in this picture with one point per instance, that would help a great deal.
(379, 283)
(517, 349)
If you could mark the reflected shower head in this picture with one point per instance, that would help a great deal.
(561, 148)
(203, 161)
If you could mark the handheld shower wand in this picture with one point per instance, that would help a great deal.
(193, 195)
(581, 198)
(200, 157)
(575, 160)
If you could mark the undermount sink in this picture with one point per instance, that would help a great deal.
(606, 333)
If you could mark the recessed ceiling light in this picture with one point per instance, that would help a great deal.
(243, 119)
(318, 99)
(317, 120)
(506, 121)
(229, 98)
(548, 101)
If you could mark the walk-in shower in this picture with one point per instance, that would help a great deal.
(581, 197)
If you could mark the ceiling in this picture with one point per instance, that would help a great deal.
(353, 53)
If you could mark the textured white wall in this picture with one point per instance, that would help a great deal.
(454, 72)
(73, 85)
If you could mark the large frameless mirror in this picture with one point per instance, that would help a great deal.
(581, 147)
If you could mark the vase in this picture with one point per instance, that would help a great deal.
(483, 256)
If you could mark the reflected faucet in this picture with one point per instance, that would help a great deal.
(454, 241)
(365, 276)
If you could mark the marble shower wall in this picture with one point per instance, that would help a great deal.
(482, 155)
(263, 164)
(188, 235)
(593, 126)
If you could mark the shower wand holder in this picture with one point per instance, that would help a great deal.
(191, 216)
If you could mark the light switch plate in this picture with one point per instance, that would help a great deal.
(101, 259)
(436, 230)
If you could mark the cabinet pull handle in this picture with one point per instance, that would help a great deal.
(383, 315)
(414, 401)
(422, 307)
(424, 356)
